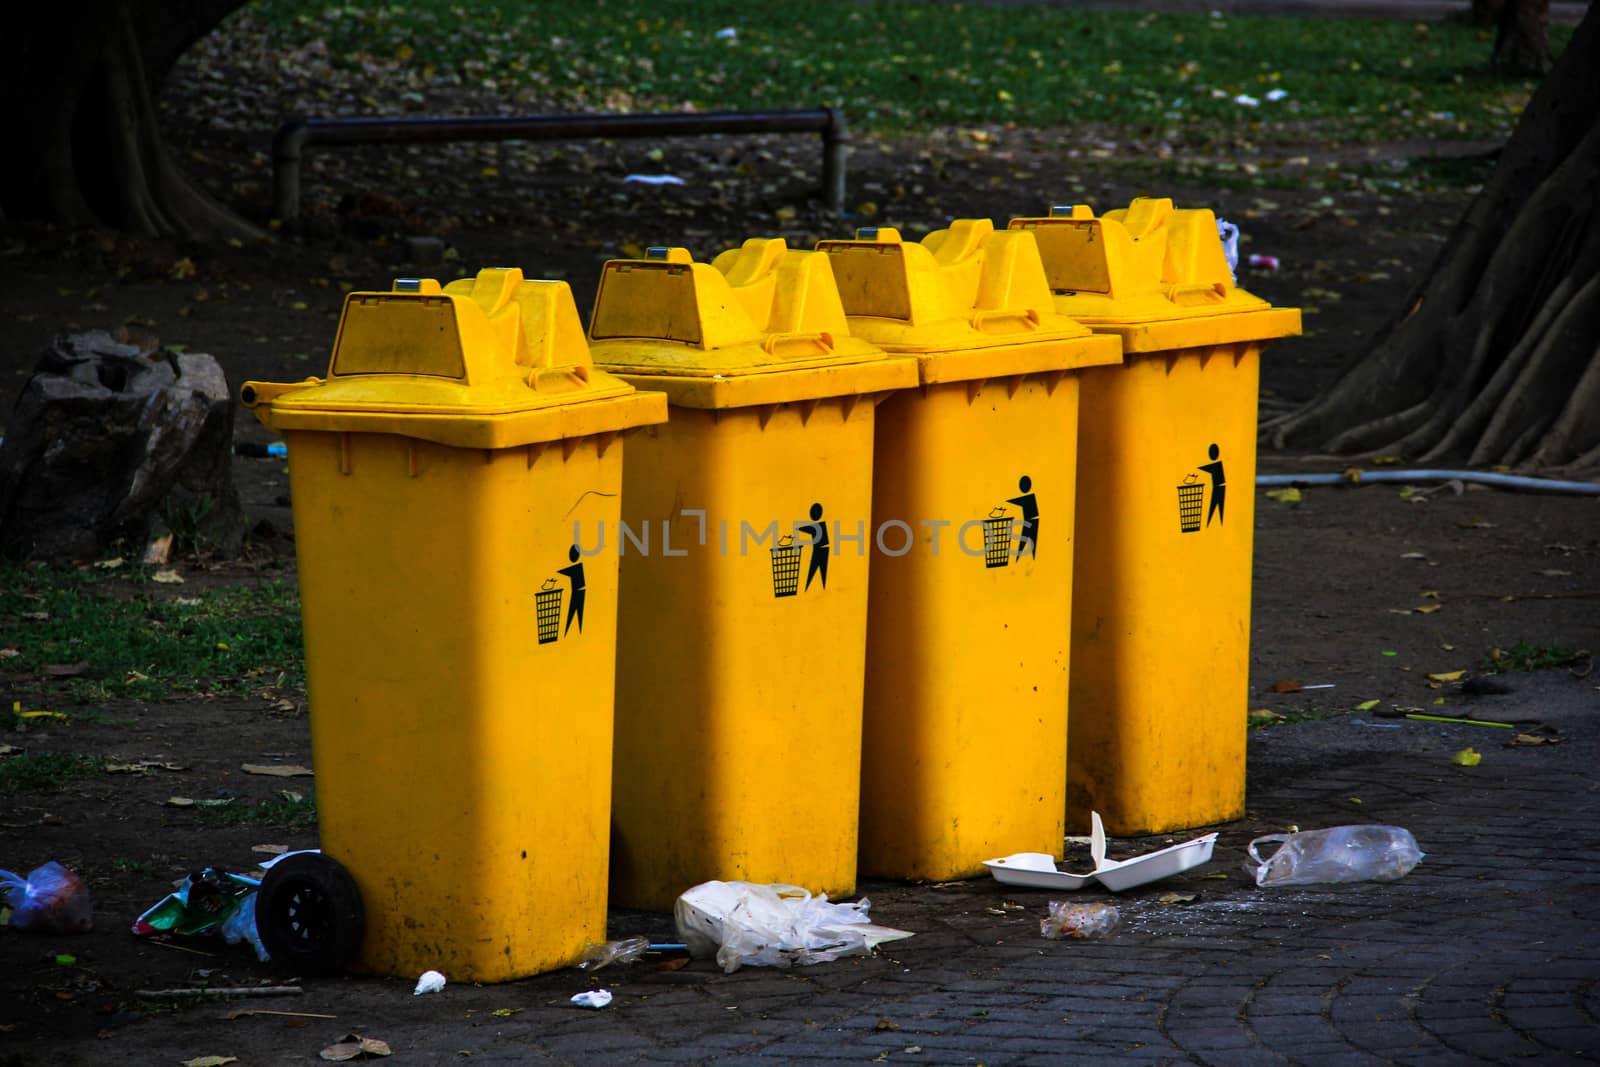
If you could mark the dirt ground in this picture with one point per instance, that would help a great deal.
(1340, 576)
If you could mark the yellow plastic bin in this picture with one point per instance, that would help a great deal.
(1161, 606)
(744, 570)
(965, 748)
(459, 639)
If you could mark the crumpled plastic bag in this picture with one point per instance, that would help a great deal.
(774, 925)
(209, 901)
(1080, 921)
(51, 900)
(1337, 854)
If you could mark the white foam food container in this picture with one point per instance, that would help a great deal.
(1037, 870)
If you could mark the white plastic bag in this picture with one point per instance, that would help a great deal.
(773, 925)
(1338, 854)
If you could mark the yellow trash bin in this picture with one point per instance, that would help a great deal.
(1161, 607)
(744, 570)
(965, 748)
(459, 640)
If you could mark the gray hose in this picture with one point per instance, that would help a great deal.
(1504, 481)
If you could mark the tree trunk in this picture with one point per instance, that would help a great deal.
(1495, 358)
(1522, 37)
(88, 149)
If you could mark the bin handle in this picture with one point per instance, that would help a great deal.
(797, 345)
(557, 379)
(1189, 294)
(1005, 321)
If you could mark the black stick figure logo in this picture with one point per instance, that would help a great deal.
(1028, 536)
(1218, 484)
(819, 547)
(574, 574)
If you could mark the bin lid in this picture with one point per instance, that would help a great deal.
(1156, 276)
(968, 302)
(492, 361)
(762, 324)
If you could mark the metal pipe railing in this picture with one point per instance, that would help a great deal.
(293, 138)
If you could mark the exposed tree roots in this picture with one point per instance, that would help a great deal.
(1495, 359)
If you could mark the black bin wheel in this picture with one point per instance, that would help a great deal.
(309, 914)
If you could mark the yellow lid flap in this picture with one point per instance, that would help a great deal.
(669, 297)
(756, 309)
(1146, 261)
(491, 344)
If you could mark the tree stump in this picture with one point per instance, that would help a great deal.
(109, 445)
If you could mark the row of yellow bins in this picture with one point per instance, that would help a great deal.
(542, 679)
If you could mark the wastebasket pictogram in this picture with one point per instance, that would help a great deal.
(1191, 502)
(786, 567)
(547, 610)
(997, 538)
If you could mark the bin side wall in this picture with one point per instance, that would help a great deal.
(964, 751)
(1161, 605)
(738, 721)
(463, 765)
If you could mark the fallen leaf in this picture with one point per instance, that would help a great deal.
(109, 564)
(1448, 648)
(270, 850)
(1467, 757)
(1446, 676)
(277, 770)
(36, 616)
(1386, 652)
(1175, 898)
(1289, 495)
(1555, 573)
(191, 802)
(1414, 555)
(1213, 878)
(9, 750)
(1532, 739)
(1427, 609)
(354, 1047)
(157, 551)
(676, 963)
(1264, 715)
(886, 1024)
(1353, 800)
(1367, 705)
(1475, 524)
(210, 1061)
(167, 577)
(1284, 685)
(9, 653)
(505, 1013)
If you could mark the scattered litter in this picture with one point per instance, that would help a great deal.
(51, 900)
(1467, 757)
(167, 577)
(1037, 870)
(278, 770)
(1276, 94)
(356, 1047)
(1229, 233)
(1246, 100)
(593, 998)
(1079, 921)
(191, 802)
(1261, 262)
(1463, 722)
(727, 33)
(774, 925)
(608, 952)
(1337, 854)
(1532, 739)
(208, 901)
(430, 982)
(655, 179)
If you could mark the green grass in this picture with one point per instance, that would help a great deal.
(144, 641)
(911, 66)
(290, 813)
(40, 772)
(1526, 656)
